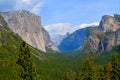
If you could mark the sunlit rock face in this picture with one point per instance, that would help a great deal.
(28, 26)
(94, 39)
(105, 37)
(111, 40)
(109, 23)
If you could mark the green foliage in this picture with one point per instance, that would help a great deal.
(116, 49)
(9, 46)
(108, 32)
(87, 69)
(101, 72)
(59, 66)
(101, 36)
(115, 73)
(27, 71)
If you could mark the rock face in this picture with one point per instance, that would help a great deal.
(57, 38)
(3, 25)
(97, 41)
(48, 42)
(109, 23)
(74, 41)
(110, 41)
(28, 26)
(92, 39)
(117, 17)
(2, 21)
(105, 36)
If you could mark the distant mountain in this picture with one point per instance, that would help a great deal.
(74, 41)
(57, 38)
(29, 27)
(94, 39)
(105, 36)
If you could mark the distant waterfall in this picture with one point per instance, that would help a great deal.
(101, 45)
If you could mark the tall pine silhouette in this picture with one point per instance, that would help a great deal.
(115, 73)
(27, 71)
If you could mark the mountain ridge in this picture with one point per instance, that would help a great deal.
(29, 27)
(98, 38)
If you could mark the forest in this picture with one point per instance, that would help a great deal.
(60, 66)
(82, 66)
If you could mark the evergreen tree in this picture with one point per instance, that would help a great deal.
(71, 75)
(115, 73)
(102, 73)
(27, 71)
(87, 69)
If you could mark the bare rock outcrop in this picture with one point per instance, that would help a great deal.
(29, 27)
(110, 23)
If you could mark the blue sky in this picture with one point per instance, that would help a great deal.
(77, 11)
(65, 13)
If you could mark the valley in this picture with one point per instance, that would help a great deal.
(29, 52)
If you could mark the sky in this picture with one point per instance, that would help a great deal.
(64, 15)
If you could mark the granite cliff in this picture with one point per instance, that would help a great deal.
(28, 26)
(105, 36)
(109, 41)
(110, 23)
(94, 39)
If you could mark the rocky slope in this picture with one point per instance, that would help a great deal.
(10, 42)
(74, 41)
(28, 26)
(48, 42)
(94, 39)
(105, 36)
(9, 49)
(110, 23)
(57, 38)
(110, 41)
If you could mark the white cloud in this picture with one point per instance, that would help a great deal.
(26, 1)
(33, 6)
(36, 8)
(87, 25)
(63, 28)
(59, 28)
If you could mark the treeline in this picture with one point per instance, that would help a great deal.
(87, 67)
(90, 71)
(75, 66)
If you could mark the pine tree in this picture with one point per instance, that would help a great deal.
(115, 73)
(102, 73)
(87, 69)
(27, 71)
(71, 76)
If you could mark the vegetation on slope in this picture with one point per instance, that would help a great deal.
(79, 66)
(9, 47)
(61, 66)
